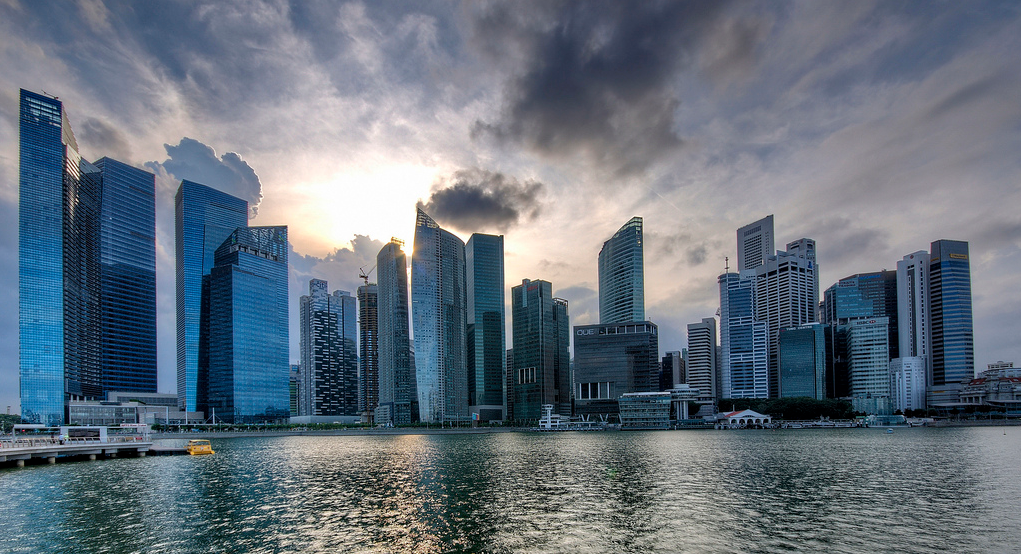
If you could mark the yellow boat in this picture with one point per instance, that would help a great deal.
(198, 447)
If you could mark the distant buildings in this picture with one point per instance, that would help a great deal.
(438, 316)
(485, 328)
(329, 360)
(744, 340)
(868, 365)
(248, 327)
(755, 243)
(86, 253)
(622, 275)
(702, 362)
(398, 399)
(368, 350)
(541, 368)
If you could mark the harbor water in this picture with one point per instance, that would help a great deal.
(807, 490)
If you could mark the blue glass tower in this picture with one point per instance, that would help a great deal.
(128, 277)
(622, 275)
(952, 334)
(485, 327)
(248, 346)
(438, 317)
(205, 217)
(398, 396)
(744, 341)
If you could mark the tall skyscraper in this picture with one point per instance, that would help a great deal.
(786, 295)
(952, 334)
(128, 274)
(541, 356)
(438, 317)
(744, 340)
(701, 362)
(912, 305)
(672, 370)
(610, 360)
(204, 218)
(329, 362)
(248, 327)
(81, 330)
(907, 383)
(860, 296)
(368, 350)
(398, 398)
(622, 275)
(486, 342)
(755, 243)
(802, 358)
(868, 364)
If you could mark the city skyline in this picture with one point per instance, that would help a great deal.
(875, 130)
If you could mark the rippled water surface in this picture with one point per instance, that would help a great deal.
(846, 490)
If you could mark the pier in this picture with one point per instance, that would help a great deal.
(47, 444)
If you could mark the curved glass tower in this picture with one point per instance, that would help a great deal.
(622, 275)
(438, 316)
(397, 391)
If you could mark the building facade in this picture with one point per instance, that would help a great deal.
(368, 350)
(868, 365)
(204, 218)
(701, 363)
(622, 275)
(329, 360)
(744, 341)
(86, 270)
(907, 383)
(438, 307)
(610, 360)
(248, 327)
(951, 332)
(755, 243)
(541, 370)
(485, 328)
(802, 358)
(398, 399)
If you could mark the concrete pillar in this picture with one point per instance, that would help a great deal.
(20, 463)
(92, 457)
(51, 460)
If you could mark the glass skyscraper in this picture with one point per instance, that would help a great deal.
(329, 359)
(541, 372)
(398, 396)
(622, 275)
(128, 274)
(802, 362)
(744, 340)
(486, 342)
(248, 326)
(368, 349)
(83, 328)
(205, 217)
(438, 316)
(952, 334)
(611, 360)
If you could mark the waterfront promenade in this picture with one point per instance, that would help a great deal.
(49, 449)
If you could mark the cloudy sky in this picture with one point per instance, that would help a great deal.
(874, 128)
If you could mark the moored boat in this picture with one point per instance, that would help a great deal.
(199, 447)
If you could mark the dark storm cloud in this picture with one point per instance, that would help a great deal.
(475, 199)
(599, 82)
(194, 161)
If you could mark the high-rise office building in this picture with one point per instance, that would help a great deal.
(541, 373)
(485, 329)
(672, 370)
(701, 361)
(755, 243)
(368, 350)
(248, 327)
(786, 295)
(864, 295)
(610, 360)
(951, 331)
(622, 275)
(438, 307)
(868, 364)
(907, 383)
(204, 218)
(81, 330)
(398, 399)
(744, 340)
(912, 305)
(802, 360)
(329, 360)
(128, 275)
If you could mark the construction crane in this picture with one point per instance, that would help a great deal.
(362, 274)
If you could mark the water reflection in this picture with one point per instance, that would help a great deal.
(755, 491)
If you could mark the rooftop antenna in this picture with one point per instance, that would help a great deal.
(51, 95)
(726, 262)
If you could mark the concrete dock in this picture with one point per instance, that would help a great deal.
(39, 449)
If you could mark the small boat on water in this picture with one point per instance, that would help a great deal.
(199, 447)
(889, 431)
